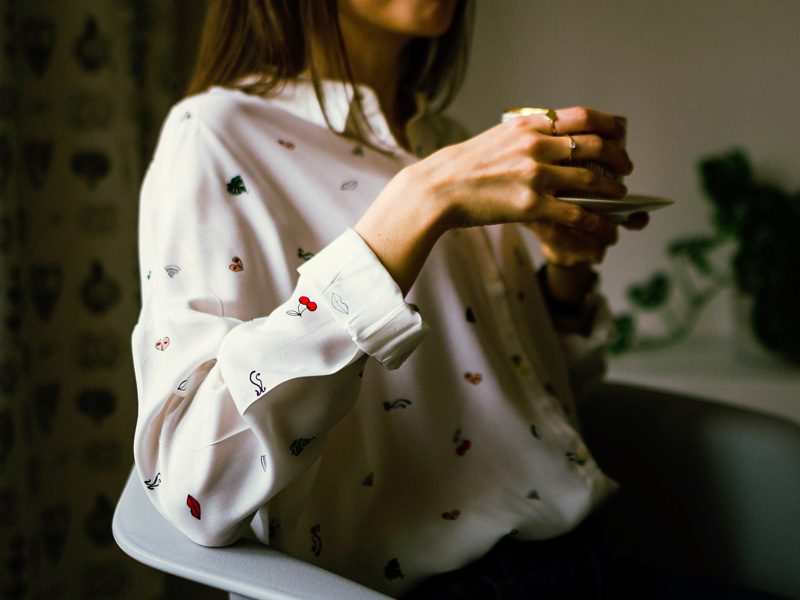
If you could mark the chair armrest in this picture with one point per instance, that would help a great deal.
(246, 568)
(706, 488)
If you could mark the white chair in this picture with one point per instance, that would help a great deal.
(707, 489)
(245, 570)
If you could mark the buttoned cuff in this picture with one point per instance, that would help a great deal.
(352, 283)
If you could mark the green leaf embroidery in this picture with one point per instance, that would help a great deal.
(237, 187)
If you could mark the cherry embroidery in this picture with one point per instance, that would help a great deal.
(463, 445)
(473, 378)
(162, 344)
(194, 506)
(452, 515)
(304, 301)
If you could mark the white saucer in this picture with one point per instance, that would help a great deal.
(621, 208)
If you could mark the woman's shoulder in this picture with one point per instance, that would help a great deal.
(217, 107)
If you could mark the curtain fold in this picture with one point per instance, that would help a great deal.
(84, 87)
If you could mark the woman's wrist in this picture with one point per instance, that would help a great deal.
(571, 296)
(401, 227)
(569, 284)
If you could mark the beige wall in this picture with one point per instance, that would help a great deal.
(693, 77)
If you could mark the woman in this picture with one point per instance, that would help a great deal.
(311, 142)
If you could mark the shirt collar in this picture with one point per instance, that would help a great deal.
(297, 97)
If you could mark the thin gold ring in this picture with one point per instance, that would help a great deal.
(572, 146)
(551, 114)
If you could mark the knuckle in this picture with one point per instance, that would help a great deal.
(573, 215)
(533, 144)
(584, 117)
(525, 200)
(520, 125)
(590, 178)
(599, 145)
(532, 170)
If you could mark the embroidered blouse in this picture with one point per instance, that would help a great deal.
(289, 393)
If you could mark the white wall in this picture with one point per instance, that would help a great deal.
(693, 77)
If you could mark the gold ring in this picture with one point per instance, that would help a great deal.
(572, 146)
(551, 114)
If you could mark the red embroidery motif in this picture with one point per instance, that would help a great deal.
(286, 144)
(463, 445)
(304, 301)
(194, 506)
(162, 344)
(473, 378)
(236, 264)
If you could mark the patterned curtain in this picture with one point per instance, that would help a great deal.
(84, 87)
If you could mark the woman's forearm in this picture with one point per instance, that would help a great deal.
(401, 227)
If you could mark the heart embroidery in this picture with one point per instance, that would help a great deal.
(236, 264)
(162, 344)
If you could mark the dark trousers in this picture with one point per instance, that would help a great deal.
(577, 565)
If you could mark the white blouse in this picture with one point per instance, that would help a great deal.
(289, 393)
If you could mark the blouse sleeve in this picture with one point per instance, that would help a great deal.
(586, 355)
(238, 385)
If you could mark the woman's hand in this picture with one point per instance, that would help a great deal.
(509, 173)
(570, 255)
(567, 247)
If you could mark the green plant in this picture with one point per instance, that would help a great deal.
(760, 223)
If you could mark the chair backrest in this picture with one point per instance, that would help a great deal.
(246, 568)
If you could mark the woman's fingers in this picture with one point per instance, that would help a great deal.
(636, 221)
(567, 246)
(580, 119)
(587, 147)
(560, 179)
(552, 210)
(597, 149)
(577, 119)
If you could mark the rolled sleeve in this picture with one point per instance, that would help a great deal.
(352, 283)
(586, 354)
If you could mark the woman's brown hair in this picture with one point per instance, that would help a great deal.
(278, 40)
